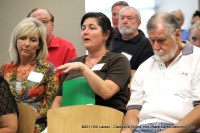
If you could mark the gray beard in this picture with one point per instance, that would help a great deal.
(166, 56)
(125, 31)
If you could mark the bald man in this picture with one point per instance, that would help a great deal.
(181, 18)
(60, 50)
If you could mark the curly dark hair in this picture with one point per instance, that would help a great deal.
(196, 13)
(7, 100)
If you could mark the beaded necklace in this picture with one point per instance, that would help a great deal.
(90, 66)
(23, 71)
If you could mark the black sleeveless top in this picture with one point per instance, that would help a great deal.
(7, 101)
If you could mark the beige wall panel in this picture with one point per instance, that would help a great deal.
(67, 15)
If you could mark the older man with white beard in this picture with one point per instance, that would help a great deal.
(165, 90)
(131, 41)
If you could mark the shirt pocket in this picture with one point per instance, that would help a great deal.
(181, 84)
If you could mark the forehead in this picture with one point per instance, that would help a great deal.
(160, 31)
(40, 14)
(89, 21)
(196, 18)
(195, 30)
(178, 14)
(30, 34)
(117, 7)
(128, 12)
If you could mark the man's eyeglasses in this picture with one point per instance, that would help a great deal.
(45, 21)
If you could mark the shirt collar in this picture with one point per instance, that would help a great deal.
(53, 42)
(188, 49)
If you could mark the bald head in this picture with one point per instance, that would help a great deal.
(46, 18)
(41, 11)
(179, 16)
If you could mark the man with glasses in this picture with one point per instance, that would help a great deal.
(60, 50)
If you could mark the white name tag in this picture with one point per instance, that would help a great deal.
(35, 77)
(128, 56)
(97, 67)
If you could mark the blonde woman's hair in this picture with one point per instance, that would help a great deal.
(28, 26)
(195, 25)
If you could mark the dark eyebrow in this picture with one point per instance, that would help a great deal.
(90, 25)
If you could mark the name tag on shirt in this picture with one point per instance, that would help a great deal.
(35, 77)
(128, 56)
(97, 67)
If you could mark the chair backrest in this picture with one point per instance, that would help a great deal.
(77, 92)
(84, 119)
(27, 117)
(132, 74)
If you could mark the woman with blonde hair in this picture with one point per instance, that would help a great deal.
(29, 75)
(195, 34)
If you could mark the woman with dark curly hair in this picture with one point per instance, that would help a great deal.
(107, 73)
(8, 109)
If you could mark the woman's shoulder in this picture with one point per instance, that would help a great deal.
(117, 59)
(113, 55)
(44, 66)
(79, 59)
(8, 65)
(8, 68)
(45, 63)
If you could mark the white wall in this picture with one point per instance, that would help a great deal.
(187, 6)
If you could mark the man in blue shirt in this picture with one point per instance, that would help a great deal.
(180, 17)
